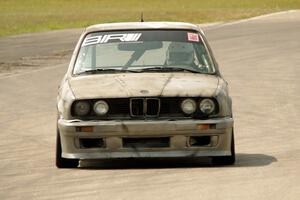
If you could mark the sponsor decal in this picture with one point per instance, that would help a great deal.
(101, 39)
(193, 37)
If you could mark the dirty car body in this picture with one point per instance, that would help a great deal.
(150, 89)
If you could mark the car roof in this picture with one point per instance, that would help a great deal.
(141, 25)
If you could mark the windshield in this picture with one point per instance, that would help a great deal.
(141, 51)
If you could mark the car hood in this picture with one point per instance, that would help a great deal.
(143, 85)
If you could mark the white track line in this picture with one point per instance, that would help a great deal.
(34, 71)
(251, 19)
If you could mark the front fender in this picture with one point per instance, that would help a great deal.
(223, 98)
(64, 100)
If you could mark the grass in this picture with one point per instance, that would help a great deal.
(22, 16)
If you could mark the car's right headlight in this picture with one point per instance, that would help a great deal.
(82, 108)
(207, 106)
(188, 106)
(101, 107)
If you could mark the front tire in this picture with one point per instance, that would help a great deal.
(63, 162)
(226, 160)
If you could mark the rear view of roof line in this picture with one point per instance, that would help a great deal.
(141, 25)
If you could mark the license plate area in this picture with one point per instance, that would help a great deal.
(157, 142)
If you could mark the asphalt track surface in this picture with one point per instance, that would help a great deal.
(260, 58)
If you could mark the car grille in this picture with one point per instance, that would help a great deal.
(147, 107)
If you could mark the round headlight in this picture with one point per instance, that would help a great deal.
(188, 106)
(101, 107)
(207, 106)
(82, 108)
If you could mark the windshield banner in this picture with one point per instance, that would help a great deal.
(100, 39)
(141, 36)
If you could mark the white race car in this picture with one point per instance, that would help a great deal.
(145, 89)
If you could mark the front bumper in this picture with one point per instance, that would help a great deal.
(179, 133)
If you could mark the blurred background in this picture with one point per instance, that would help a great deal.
(23, 16)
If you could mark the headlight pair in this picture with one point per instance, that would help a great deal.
(82, 108)
(206, 106)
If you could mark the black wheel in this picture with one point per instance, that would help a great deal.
(226, 160)
(63, 162)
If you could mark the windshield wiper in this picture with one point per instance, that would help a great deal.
(105, 70)
(154, 69)
(168, 69)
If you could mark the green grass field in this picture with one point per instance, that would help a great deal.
(22, 16)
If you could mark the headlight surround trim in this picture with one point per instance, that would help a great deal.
(196, 113)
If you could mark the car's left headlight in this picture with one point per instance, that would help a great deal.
(101, 107)
(207, 106)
